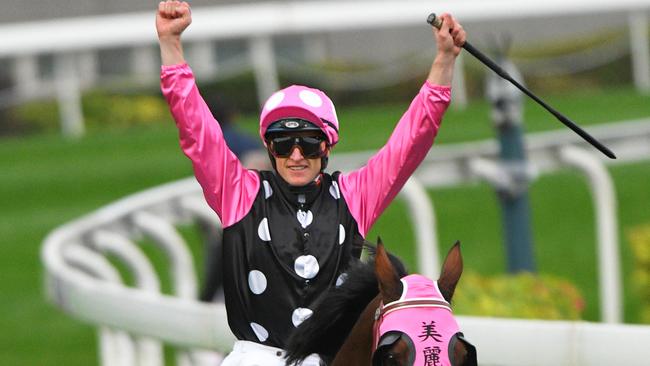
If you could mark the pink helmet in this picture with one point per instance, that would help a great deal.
(301, 102)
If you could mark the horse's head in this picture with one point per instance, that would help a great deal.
(351, 326)
(414, 324)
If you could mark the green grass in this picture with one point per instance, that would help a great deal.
(46, 181)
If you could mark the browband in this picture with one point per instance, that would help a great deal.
(410, 303)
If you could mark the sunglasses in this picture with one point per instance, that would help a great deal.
(310, 146)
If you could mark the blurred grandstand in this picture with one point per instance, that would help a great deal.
(63, 49)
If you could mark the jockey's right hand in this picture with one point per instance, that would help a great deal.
(172, 18)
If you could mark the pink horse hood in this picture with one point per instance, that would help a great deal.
(430, 326)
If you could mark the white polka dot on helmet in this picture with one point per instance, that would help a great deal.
(301, 102)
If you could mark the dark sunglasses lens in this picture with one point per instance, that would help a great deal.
(311, 147)
(281, 146)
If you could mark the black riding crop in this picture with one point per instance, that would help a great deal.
(437, 22)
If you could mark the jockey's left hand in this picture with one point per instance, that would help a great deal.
(451, 36)
(450, 40)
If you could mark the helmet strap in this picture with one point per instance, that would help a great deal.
(323, 163)
(272, 158)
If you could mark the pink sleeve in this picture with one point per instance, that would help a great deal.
(369, 190)
(229, 188)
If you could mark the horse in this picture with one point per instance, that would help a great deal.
(382, 316)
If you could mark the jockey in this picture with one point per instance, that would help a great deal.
(290, 233)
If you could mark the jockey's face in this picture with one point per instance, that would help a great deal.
(298, 170)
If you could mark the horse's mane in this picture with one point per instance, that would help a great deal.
(337, 310)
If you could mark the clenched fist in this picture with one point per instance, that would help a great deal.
(451, 36)
(172, 18)
(450, 39)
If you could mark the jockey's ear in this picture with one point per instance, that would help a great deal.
(389, 283)
(452, 268)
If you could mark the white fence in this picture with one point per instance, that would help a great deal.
(86, 285)
(133, 321)
(516, 342)
(78, 41)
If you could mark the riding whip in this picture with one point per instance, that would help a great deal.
(437, 22)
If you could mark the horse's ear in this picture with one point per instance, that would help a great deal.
(390, 286)
(463, 353)
(452, 268)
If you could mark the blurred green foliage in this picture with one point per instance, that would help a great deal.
(32, 117)
(101, 110)
(523, 295)
(124, 110)
(639, 239)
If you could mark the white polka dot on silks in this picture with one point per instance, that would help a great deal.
(306, 266)
(300, 315)
(341, 234)
(261, 333)
(263, 230)
(334, 190)
(310, 98)
(274, 100)
(341, 279)
(256, 282)
(268, 191)
(304, 218)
